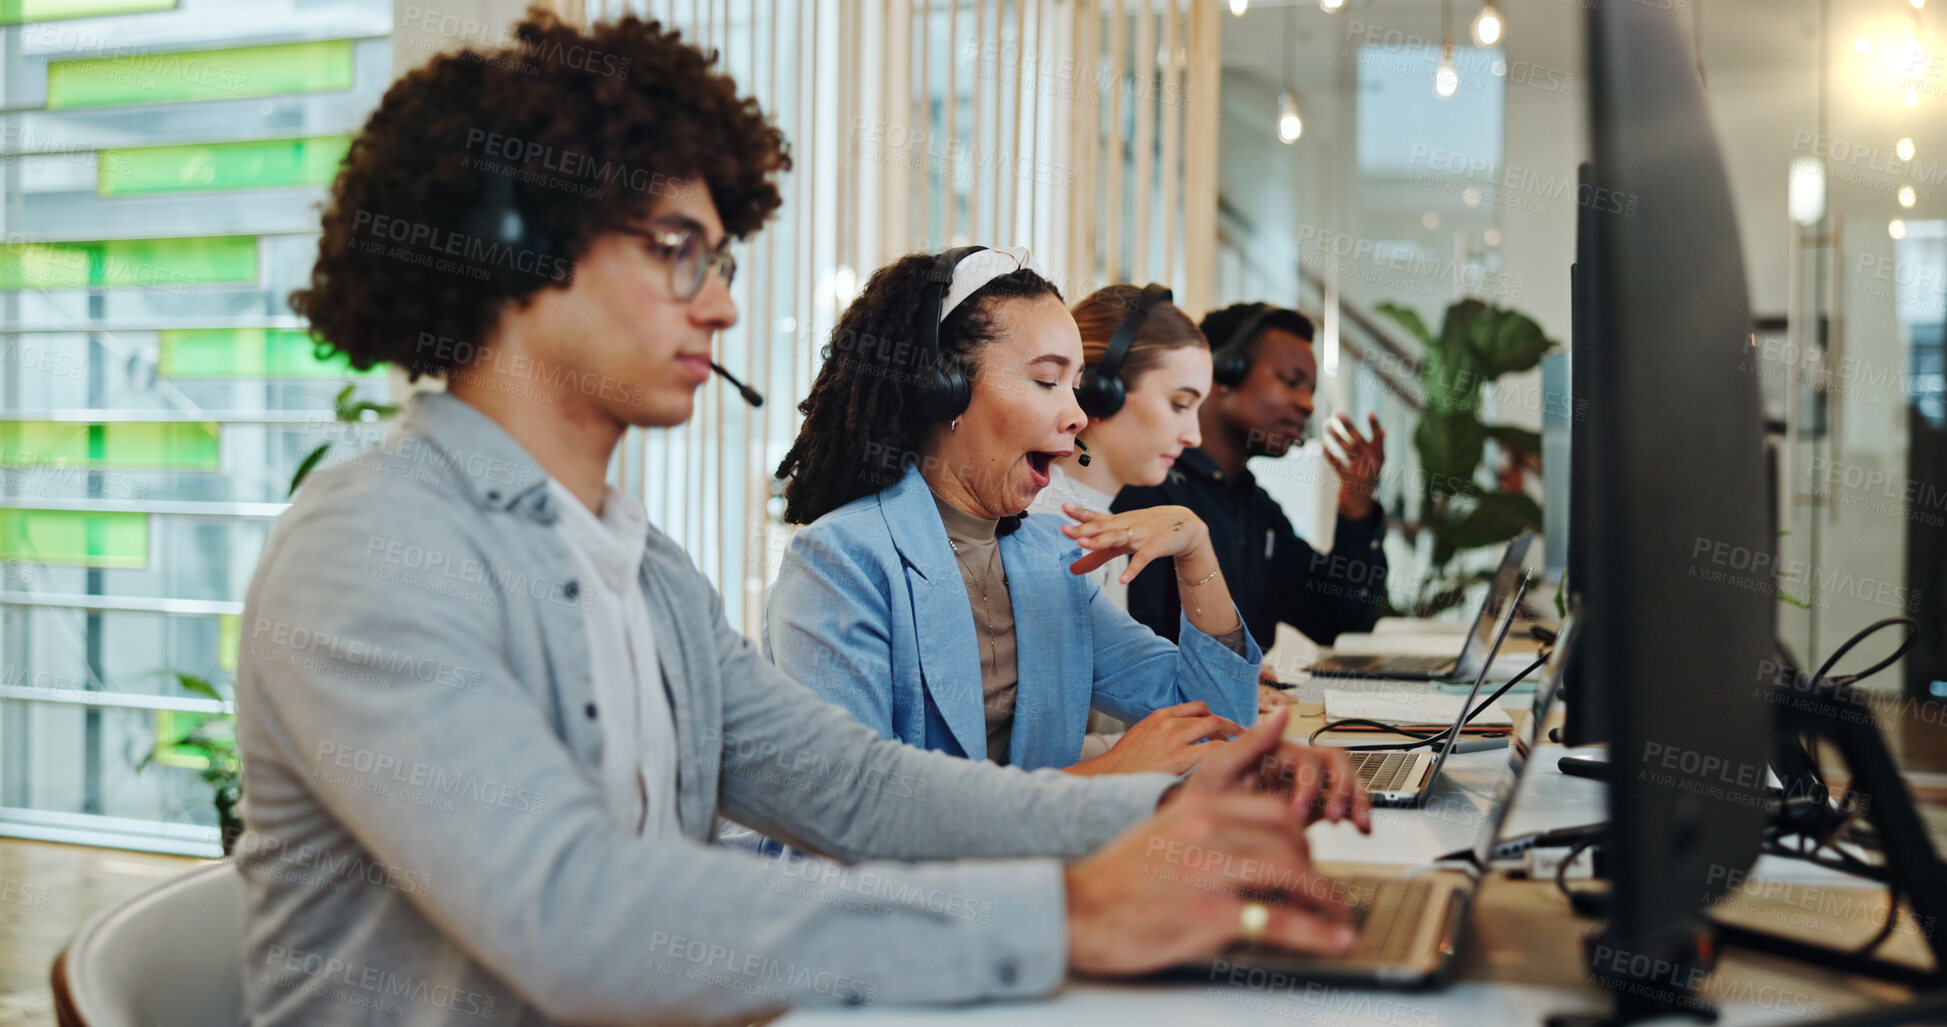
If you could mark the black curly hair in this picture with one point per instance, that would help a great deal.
(575, 131)
(861, 403)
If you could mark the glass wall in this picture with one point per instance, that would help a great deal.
(1432, 168)
(161, 170)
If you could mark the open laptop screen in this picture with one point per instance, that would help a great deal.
(1518, 754)
(1474, 656)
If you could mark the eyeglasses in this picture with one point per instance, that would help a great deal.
(688, 256)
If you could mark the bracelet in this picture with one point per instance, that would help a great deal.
(1205, 581)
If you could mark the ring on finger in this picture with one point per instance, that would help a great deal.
(1252, 919)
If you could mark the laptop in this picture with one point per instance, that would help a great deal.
(1473, 654)
(1409, 919)
(1403, 777)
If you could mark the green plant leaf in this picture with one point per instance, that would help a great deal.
(1495, 518)
(1450, 447)
(305, 467)
(1506, 342)
(198, 685)
(1458, 328)
(1521, 440)
(1452, 379)
(1409, 320)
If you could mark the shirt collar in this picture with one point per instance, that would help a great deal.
(614, 542)
(1196, 461)
(443, 432)
(1066, 488)
(963, 526)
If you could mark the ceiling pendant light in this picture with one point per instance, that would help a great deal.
(1331, 6)
(1446, 79)
(1896, 228)
(1290, 125)
(1488, 26)
(1238, 7)
(1907, 196)
(1904, 148)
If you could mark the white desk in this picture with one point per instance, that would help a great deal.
(1519, 963)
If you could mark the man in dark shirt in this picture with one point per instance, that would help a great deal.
(1265, 375)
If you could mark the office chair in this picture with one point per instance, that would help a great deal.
(172, 955)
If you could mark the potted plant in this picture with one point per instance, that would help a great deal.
(1460, 507)
(211, 749)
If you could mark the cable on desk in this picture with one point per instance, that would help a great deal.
(1813, 821)
(1420, 739)
(1585, 903)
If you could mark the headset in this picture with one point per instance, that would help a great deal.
(942, 389)
(496, 220)
(1230, 363)
(1102, 391)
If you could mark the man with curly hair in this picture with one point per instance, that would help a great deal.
(489, 716)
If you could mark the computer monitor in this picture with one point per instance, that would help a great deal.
(1676, 629)
(1580, 723)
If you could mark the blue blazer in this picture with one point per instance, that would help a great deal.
(846, 613)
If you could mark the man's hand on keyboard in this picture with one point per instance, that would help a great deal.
(1318, 782)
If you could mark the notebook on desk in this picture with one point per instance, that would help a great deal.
(1473, 656)
(1409, 919)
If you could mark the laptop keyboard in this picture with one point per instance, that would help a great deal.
(1388, 912)
(1393, 664)
(1383, 771)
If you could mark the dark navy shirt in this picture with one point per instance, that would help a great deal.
(1273, 575)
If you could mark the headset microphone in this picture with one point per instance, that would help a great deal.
(1084, 458)
(751, 396)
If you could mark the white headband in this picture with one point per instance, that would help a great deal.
(981, 267)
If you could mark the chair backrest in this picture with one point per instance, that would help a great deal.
(171, 955)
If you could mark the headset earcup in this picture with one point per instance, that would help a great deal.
(1100, 395)
(944, 392)
(1229, 368)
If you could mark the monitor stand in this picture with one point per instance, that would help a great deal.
(1838, 715)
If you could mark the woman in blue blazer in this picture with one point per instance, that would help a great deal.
(947, 393)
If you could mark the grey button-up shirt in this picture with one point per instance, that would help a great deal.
(426, 840)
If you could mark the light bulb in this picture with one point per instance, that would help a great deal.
(1912, 97)
(1917, 4)
(1904, 148)
(1238, 7)
(1488, 25)
(1913, 57)
(1446, 81)
(1290, 125)
(1330, 6)
(1896, 228)
(1907, 196)
(1862, 45)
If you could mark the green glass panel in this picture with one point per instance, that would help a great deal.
(81, 538)
(169, 264)
(163, 169)
(183, 75)
(19, 12)
(177, 447)
(249, 353)
(229, 632)
(171, 725)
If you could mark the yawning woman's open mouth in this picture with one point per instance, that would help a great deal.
(1038, 464)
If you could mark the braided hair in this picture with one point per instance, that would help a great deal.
(861, 423)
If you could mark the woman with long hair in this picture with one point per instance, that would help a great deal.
(919, 597)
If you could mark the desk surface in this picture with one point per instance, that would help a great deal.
(1521, 958)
